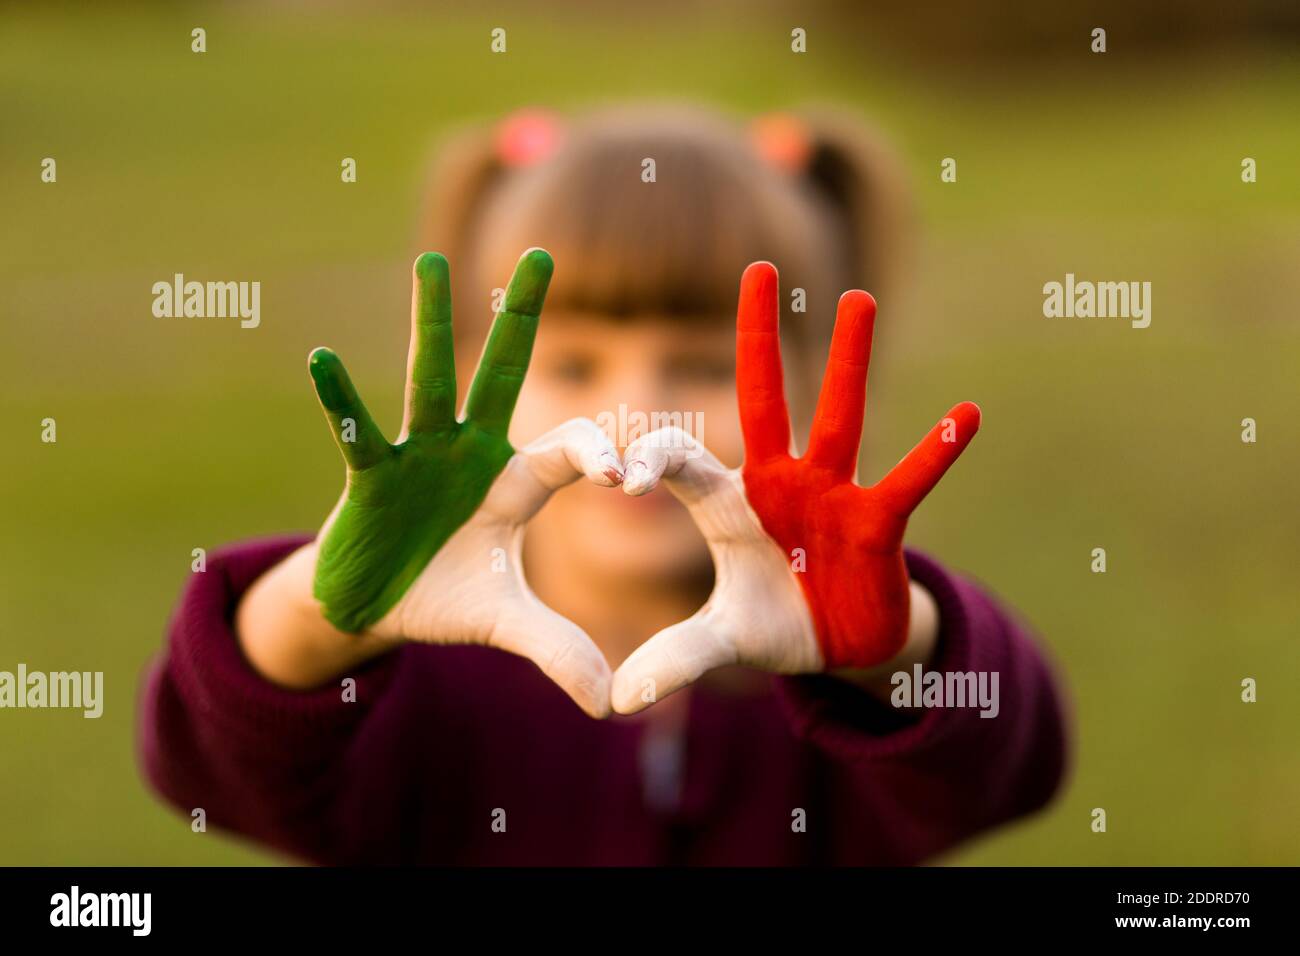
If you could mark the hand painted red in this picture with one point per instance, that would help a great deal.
(853, 578)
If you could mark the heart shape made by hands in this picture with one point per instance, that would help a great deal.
(425, 543)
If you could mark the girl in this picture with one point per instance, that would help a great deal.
(345, 698)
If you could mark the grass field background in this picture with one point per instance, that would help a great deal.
(180, 434)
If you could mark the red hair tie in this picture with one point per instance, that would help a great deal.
(783, 141)
(527, 137)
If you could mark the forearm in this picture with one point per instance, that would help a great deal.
(941, 773)
(285, 637)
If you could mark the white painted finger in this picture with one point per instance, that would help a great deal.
(756, 600)
(714, 495)
(560, 648)
(566, 453)
(675, 457)
(569, 451)
(576, 448)
(672, 659)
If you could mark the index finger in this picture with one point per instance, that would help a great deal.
(500, 374)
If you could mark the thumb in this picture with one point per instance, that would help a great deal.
(672, 659)
(559, 647)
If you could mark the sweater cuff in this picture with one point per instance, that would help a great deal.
(211, 674)
(852, 724)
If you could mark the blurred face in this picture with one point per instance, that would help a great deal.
(631, 376)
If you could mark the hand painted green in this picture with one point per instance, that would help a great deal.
(404, 501)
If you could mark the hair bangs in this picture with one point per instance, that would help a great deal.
(654, 221)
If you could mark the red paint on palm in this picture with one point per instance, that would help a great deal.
(854, 577)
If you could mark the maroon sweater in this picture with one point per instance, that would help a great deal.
(440, 739)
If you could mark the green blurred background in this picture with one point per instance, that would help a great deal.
(181, 434)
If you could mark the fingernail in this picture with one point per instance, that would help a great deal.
(613, 470)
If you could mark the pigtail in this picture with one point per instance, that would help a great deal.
(865, 181)
(858, 177)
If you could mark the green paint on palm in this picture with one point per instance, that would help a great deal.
(404, 501)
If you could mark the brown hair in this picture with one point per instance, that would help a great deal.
(675, 247)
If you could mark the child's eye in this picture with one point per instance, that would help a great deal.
(574, 369)
(703, 369)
